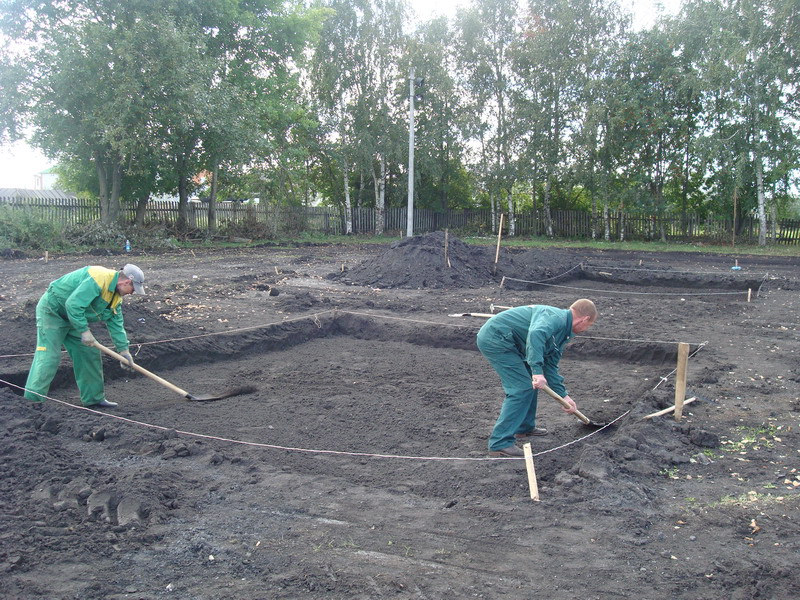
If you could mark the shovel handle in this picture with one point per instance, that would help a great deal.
(565, 404)
(142, 370)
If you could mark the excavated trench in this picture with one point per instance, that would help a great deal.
(349, 383)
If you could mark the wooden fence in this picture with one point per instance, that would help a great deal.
(275, 221)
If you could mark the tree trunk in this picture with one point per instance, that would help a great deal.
(548, 219)
(212, 201)
(109, 180)
(348, 210)
(183, 204)
(512, 219)
(762, 215)
(494, 212)
(141, 207)
(380, 195)
(116, 190)
(102, 182)
(773, 222)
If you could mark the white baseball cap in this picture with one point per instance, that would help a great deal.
(135, 274)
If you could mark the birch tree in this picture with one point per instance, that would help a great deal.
(355, 77)
(485, 37)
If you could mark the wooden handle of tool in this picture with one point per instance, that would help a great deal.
(565, 404)
(142, 370)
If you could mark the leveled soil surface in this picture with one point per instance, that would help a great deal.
(358, 467)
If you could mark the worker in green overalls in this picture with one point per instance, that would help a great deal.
(63, 315)
(524, 345)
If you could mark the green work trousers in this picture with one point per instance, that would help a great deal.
(518, 413)
(53, 332)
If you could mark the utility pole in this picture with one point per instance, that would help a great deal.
(410, 211)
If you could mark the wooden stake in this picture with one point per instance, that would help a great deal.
(680, 379)
(749, 293)
(531, 472)
(670, 409)
(46, 255)
(497, 252)
(447, 248)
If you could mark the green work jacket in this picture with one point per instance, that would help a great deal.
(540, 333)
(86, 296)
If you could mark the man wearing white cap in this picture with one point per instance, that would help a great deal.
(63, 315)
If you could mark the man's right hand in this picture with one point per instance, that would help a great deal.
(539, 381)
(572, 406)
(87, 339)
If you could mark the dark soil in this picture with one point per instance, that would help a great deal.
(358, 467)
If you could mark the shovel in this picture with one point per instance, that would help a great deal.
(577, 413)
(175, 388)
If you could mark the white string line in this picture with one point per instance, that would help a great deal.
(21, 355)
(238, 330)
(664, 378)
(596, 291)
(308, 450)
(348, 312)
(585, 337)
(372, 315)
(590, 337)
(578, 266)
(202, 335)
(670, 272)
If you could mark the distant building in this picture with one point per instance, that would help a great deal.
(45, 180)
(11, 195)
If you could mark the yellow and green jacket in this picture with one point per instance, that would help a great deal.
(89, 295)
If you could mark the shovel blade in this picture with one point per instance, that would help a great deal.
(247, 389)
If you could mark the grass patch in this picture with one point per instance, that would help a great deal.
(635, 246)
(751, 438)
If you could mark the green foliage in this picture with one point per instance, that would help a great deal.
(96, 235)
(21, 229)
(558, 102)
(250, 228)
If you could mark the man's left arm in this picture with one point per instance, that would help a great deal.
(116, 329)
(552, 358)
(554, 378)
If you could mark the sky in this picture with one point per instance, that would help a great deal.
(19, 163)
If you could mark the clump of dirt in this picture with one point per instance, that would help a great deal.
(301, 301)
(420, 262)
(12, 253)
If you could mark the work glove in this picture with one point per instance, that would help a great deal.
(539, 381)
(87, 339)
(126, 364)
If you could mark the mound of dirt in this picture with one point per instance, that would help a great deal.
(420, 262)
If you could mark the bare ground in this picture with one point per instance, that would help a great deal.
(358, 468)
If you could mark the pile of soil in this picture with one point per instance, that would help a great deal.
(421, 262)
